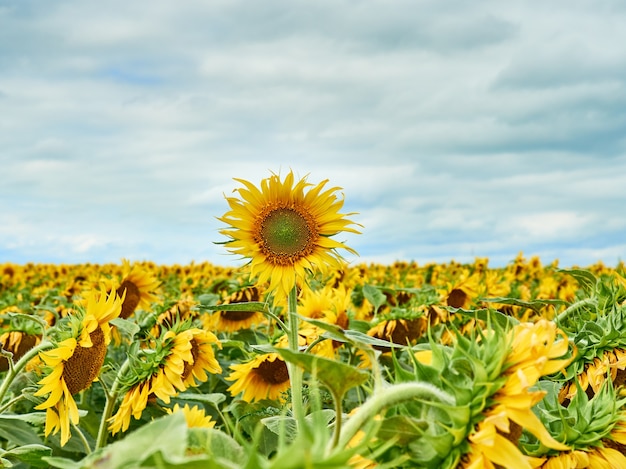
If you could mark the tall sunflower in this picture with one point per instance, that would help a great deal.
(285, 228)
(75, 362)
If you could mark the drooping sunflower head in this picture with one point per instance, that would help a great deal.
(181, 357)
(18, 343)
(138, 287)
(264, 377)
(100, 308)
(285, 228)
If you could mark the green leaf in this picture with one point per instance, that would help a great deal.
(281, 425)
(374, 296)
(64, 463)
(338, 377)
(403, 427)
(127, 327)
(492, 315)
(214, 399)
(535, 305)
(585, 279)
(29, 454)
(17, 431)
(249, 306)
(167, 435)
(215, 444)
(350, 336)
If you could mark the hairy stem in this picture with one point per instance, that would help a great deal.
(295, 372)
(111, 398)
(17, 367)
(386, 397)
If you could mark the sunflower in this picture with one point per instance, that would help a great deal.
(611, 366)
(285, 228)
(264, 377)
(18, 343)
(138, 287)
(180, 356)
(231, 321)
(489, 379)
(537, 349)
(594, 428)
(203, 357)
(399, 331)
(179, 311)
(76, 361)
(194, 416)
(462, 292)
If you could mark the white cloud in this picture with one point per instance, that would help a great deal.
(455, 129)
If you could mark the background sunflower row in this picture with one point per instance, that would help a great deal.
(187, 356)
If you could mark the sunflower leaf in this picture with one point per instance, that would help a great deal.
(214, 398)
(350, 336)
(336, 376)
(18, 431)
(585, 279)
(249, 306)
(29, 454)
(129, 328)
(374, 296)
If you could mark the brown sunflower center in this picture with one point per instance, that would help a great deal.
(236, 316)
(18, 343)
(273, 372)
(131, 300)
(84, 365)
(285, 234)
(456, 298)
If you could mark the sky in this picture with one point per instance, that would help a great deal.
(455, 129)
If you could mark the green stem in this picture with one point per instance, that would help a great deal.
(575, 307)
(83, 439)
(392, 395)
(338, 420)
(15, 369)
(295, 372)
(11, 402)
(111, 398)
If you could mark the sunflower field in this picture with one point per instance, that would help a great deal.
(299, 359)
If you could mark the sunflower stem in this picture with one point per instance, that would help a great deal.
(14, 369)
(575, 307)
(111, 398)
(11, 402)
(338, 420)
(82, 438)
(295, 372)
(392, 395)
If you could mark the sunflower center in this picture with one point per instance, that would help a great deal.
(18, 343)
(131, 300)
(84, 365)
(273, 372)
(285, 232)
(457, 298)
(236, 315)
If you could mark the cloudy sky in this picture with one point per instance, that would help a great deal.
(456, 129)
